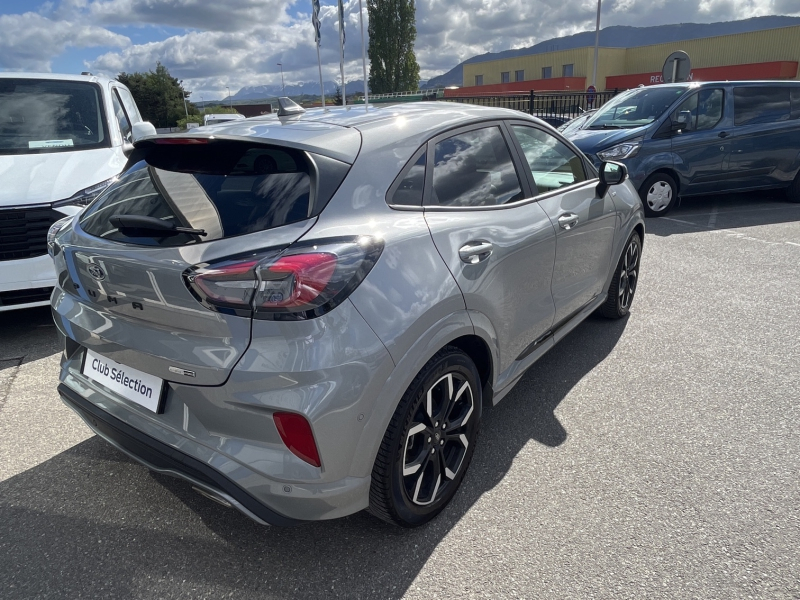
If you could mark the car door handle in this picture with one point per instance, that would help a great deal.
(567, 220)
(474, 252)
(723, 134)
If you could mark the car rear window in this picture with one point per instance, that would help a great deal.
(219, 191)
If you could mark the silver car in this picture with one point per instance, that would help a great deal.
(303, 315)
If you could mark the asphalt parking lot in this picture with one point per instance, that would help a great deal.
(658, 456)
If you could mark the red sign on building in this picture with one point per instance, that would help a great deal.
(768, 70)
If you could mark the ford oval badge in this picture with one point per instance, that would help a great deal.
(96, 272)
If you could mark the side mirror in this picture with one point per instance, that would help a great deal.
(141, 130)
(683, 121)
(611, 173)
(127, 148)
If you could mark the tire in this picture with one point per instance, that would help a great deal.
(659, 192)
(626, 278)
(414, 478)
(793, 191)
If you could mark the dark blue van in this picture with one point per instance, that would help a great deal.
(686, 139)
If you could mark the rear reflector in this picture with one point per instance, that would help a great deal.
(296, 433)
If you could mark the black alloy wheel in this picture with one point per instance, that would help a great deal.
(429, 443)
(626, 278)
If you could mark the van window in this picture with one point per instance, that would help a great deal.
(45, 115)
(227, 190)
(130, 106)
(122, 118)
(753, 105)
(636, 108)
(706, 108)
(795, 102)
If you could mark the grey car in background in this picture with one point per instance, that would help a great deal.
(303, 315)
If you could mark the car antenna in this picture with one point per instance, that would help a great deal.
(287, 107)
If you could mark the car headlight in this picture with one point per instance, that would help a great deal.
(87, 195)
(52, 247)
(620, 151)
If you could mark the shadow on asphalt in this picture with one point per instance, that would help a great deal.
(726, 211)
(27, 335)
(90, 523)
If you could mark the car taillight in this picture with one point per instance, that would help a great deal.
(296, 433)
(303, 281)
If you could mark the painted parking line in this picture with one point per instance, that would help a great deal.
(729, 232)
(743, 210)
(712, 219)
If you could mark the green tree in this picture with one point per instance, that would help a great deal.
(158, 95)
(392, 32)
(337, 97)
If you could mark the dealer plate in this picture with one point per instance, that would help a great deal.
(132, 384)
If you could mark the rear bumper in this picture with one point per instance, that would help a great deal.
(165, 459)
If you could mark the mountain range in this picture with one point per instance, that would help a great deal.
(261, 92)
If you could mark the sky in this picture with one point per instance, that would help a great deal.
(211, 44)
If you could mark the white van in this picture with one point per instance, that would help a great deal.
(63, 140)
(221, 118)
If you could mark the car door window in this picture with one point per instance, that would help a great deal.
(553, 164)
(122, 118)
(475, 168)
(705, 107)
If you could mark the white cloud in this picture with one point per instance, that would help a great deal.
(239, 42)
(30, 41)
(230, 15)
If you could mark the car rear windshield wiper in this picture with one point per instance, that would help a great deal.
(143, 223)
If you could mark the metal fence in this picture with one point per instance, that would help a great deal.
(553, 108)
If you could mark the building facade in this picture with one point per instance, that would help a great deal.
(765, 54)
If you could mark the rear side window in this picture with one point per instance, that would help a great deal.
(408, 191)
(222, 191)
(475, 169)
(753, 105)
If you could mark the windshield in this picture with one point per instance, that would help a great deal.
(637, 108)
(40, 115)
(576, 123)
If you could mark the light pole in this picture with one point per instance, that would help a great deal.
(283, 87)
(596, 44)
(204, 104)
(230, 102)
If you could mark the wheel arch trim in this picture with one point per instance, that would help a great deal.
(456, 326)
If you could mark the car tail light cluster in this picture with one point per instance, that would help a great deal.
(303, 281)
